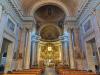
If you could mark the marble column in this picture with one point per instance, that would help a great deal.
(63, 53)
(66, 52)
(34, 51)
(78, 53)
(20, 50)
(27, 51)
(71, 52)
(25, 48)
(0, 25)
(37, 49)
(62, 48)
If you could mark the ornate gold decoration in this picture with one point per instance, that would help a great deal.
(50, 53)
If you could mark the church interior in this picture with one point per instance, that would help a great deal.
(49, 37)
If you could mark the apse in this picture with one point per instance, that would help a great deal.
(49, 32)
(49, 22)
(49, 13)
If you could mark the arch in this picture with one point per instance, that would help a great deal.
(50, 24)
(49, 2)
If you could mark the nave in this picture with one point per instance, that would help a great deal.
(36, 35)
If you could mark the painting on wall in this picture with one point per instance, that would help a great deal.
(87, 26)
(11, 25)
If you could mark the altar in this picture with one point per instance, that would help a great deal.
(50, 54)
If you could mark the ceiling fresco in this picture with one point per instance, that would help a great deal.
(49, 13)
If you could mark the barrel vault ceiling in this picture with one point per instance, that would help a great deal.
(51, 14)
(72, 5)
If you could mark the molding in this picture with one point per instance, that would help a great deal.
(22, 17)
(52, 2)
(84, 9)
(90, 6)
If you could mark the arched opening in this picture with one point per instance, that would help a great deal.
(49, 27)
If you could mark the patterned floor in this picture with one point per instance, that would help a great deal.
(50, 71)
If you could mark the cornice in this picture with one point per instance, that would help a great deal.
(18, 11)
(84, 8)
(87, 10)
(30, 18)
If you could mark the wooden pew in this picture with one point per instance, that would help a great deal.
(26, 72)
(58, 67)
(74, 72)
(18, 74)
(31, 71)
(65, 70)
(38, 67)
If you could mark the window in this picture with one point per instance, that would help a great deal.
(87, 26)
(11, 25)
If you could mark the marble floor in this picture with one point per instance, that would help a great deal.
(50, 71)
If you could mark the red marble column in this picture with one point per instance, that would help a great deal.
(77, 51)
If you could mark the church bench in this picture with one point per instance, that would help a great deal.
(40, 70)
(74, 72)
(59, 67)
(27, 72)
(19, 74)
(23, 73)
(40, 67)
